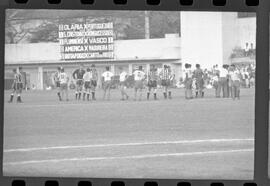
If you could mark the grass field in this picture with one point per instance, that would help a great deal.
(178, 138)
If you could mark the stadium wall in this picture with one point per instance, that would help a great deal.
(40, 60)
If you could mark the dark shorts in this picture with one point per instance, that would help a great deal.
(93, 83)
(188, 83)
(138, 84)
(123, 83)
(107, 84)
(18, 87)
(199, 84)
(152, 84)
(165, 83)
(87, 84)
(57, 84)
(64, 86)
(79, 82)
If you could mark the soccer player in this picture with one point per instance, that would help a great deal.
(63, 79)
(123, 83)
(234, 75)
(188, 81)
(94, 79)
(198, 75)
(13, 86)
(57, 82)
(18, 84)
(107, 82)
(166, 77)
(78, 76)
(139, 77)
(87, 83)
(152, 78)
(222, 82)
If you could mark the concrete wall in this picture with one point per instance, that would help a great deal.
(201, 37)
(165, 48)
(208, 38)
(236, 32)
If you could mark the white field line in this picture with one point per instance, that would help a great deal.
(128, 144)
(126, 157)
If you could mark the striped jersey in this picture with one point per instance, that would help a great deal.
(87, 76)
(165, 74)
(152, 75)
(94, 74)
(18, 78)
(56, 77)
(63, 78)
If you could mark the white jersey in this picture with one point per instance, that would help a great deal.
(138, 75)
(107, 76)
(235, 75)
(63, 78)
(87, 76)
(223, 72)
(123, 76)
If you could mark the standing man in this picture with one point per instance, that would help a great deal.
(18, 85)
(188, 81)
(123, 83)
(78, 76)
(139, 77)
(13, 86)
(94, 79)
(152, 78)
(107, 82)
(234, 76)
(165, 76)
(222, 82)
(57, 82)
(63, 78)
(198, 75)
(87, 84)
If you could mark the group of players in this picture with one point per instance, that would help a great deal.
(226, 80)
(86, 82)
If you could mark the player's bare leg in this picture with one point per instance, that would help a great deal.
(125, 93)
(140, 94)
(155, 93)
(109, 93)
(135, 94)
(165, 92)
(66, 94)
(170, 94)
(148, 92)
(104, 94)
(122, 92)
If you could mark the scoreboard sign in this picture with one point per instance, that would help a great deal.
(86, 41)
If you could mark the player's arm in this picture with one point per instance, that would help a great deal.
(74, 74)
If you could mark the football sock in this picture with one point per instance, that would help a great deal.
(58, 93)
(76, 94)
(88, 96)
(165, 95)
(19, 98)
(11, 98)
(155, 96)
(84, 96)
(148, 94)
(93, 96)
(170, 95)
(80, 95)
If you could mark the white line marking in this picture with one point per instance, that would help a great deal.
(127, 144)
(126, 157)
